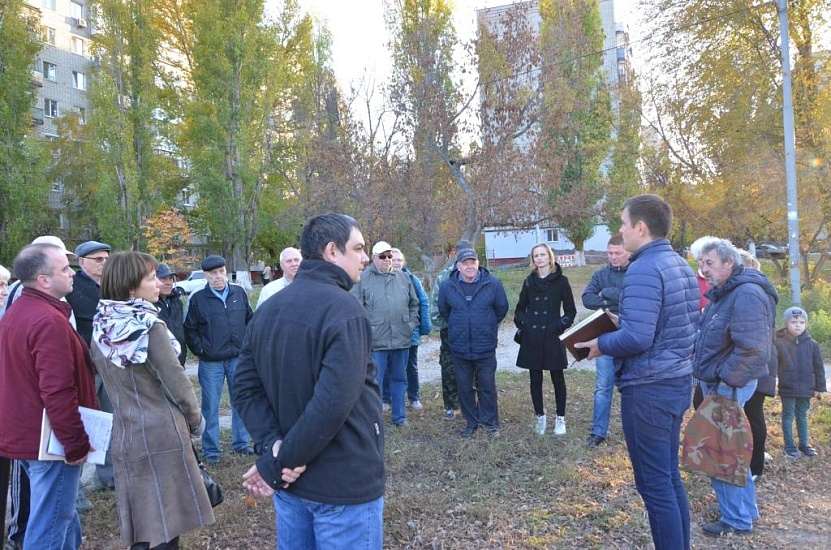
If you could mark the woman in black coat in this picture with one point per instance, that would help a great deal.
(544, 310)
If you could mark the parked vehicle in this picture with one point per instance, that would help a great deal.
(195, 281)
(768, 250)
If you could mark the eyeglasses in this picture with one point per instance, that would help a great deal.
(98, 260)
(385, 256)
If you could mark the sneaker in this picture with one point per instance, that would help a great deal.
(807, 450)
(82, 503)
(755, 477)
(594, 441)
(416, 405)
(768, 457)
(719, 529)
(792, 452)
(449, 414)
(560, 426)
(385, 407)
(539, 429)
(403, 424)
(492, 432)
(467, 433)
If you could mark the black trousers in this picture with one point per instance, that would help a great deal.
(754, 409)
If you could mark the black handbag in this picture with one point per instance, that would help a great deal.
(212, 487)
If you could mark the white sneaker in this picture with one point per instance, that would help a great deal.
(539, 429)
(560, 426)
(416, 405)
(385, 407)
(768, 458)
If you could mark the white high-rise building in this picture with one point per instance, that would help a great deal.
(61, 70)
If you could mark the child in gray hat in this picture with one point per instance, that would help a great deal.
(801, 377)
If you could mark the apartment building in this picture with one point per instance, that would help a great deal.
(62, 68)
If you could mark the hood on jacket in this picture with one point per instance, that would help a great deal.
(744, 276)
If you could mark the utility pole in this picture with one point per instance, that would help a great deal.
(790, 154)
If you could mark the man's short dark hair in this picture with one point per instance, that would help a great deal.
(124, 272)
(31, 262)
(615, 240)
(652, 210)
(322, 230)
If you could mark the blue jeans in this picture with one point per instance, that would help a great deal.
(603, 390)
(412, 378)
(737, 504)
(476, 379)
(53, 522)
(651, 415)
(795, 407)
(212, 375)
(396, 361)
(306, 524)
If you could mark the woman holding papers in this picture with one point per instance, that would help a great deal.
(544, 310)
(159, 489)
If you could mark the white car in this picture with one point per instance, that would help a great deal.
(195, 281)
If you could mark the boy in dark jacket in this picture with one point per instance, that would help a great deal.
(801, 376)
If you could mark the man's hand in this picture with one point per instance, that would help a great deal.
(289, 475)
(614, 317)
(254, 483)
(81, 460)
(594, 351)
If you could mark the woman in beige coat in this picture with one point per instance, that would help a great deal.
(159, 489)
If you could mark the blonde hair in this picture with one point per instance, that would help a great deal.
(551, 258)
(748, 260)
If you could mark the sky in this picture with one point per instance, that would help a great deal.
(360, 36)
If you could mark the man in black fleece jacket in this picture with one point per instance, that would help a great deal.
(305, 387)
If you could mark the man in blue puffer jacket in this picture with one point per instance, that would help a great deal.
(473, 303)
(652, 351)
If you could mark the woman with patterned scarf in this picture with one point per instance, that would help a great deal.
(159, 489)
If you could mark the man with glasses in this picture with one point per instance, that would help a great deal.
(393, 308)
(45, 366)
(86, 291)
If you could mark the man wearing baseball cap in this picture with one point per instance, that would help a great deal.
(215, 324)
(392, 304)
(171, 308)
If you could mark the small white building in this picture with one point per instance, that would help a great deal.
(508, 245)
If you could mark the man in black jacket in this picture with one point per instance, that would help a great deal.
(214, 328)
(306, 387)
(171, 308)
(86, 291)
(603, 292)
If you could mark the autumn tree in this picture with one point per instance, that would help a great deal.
(716, 104)
(243, 70)
(23, 186)
(574, 141)
(167, 233)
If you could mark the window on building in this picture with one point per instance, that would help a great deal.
(50, 71)
(82, 115)
(79, 80)
(49, 4)
(76, 10)
(50, 108)
(49, 35)
(76, 45)
(552, 235)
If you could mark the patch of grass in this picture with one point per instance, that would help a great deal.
(521, 490)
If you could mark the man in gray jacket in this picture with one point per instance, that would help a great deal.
(392, 304)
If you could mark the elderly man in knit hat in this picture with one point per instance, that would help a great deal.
(214, 329)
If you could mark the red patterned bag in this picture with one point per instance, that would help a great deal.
(718, 441)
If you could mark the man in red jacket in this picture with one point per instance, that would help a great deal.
(44, 365)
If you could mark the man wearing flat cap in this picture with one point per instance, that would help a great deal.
(171, 307)
(391, 302)
(86, 291)
(215, 323)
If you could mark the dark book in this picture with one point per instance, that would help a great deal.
(589, 328)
